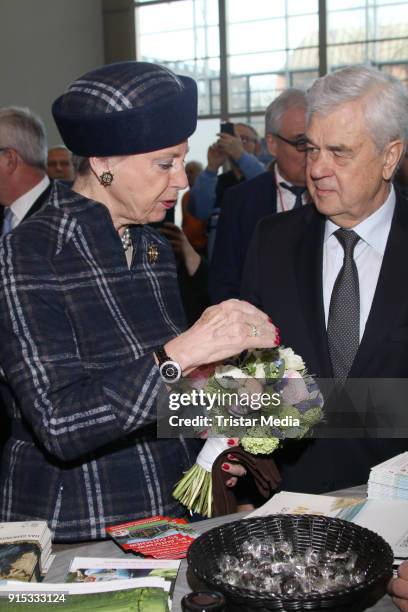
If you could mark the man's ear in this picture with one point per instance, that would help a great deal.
(12, 159)
(271, 144)
(391, 156)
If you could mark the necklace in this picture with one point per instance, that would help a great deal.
(126, 239)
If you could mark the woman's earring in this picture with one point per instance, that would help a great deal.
(106, 178)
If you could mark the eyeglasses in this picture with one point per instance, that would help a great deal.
(300, 144)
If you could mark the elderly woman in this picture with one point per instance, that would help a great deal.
(91, 325)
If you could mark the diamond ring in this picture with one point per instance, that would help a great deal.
(255, 331)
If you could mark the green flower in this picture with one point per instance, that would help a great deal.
(259, 446)
(312, 416)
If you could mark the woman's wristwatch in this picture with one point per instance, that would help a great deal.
(170, 370)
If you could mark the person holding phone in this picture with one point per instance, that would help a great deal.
(238, 144)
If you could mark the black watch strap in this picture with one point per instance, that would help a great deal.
(170, 370)
(161, 355)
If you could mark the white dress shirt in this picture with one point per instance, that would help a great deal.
(22, 205)
(285, 199)
(368, 255)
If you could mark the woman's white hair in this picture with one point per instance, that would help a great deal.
(24, 132)
(384, 97)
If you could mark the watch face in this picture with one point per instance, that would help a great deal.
(170, 371)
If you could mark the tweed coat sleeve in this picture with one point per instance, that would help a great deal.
(80, 381)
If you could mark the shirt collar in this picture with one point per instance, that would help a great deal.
(22, 205)
(279, 178)
(375, 229)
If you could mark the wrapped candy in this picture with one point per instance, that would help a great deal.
(274, 567)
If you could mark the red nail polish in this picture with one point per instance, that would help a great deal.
(231, 442)
(225, 466)
(230, 456)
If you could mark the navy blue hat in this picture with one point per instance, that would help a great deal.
(126, 108)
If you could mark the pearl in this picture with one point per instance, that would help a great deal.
(126, 239)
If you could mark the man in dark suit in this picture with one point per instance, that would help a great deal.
(24, 185)
(329, 275)
(279, 189)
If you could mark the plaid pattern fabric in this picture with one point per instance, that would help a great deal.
(77, 333)
(121, 87)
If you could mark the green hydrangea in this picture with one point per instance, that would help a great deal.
(259, 446)
(312, 416)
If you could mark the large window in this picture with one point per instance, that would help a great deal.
(243, 54)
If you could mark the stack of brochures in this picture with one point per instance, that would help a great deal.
(25, 550)
(160, 537)
(387, 517)
(99, 584)
(389, 480)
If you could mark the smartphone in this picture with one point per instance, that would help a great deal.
(227, 127)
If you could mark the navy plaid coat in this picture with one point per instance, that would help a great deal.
(77, 334)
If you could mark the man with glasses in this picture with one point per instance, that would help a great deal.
(240, 150)
(24, 186)
(279, 189)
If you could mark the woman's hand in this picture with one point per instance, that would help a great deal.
(398, 588)
(221, 332)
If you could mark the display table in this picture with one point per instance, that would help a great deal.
(185, 583)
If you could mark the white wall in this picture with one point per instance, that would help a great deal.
(44, 45)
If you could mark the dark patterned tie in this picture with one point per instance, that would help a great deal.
(343, 327)
(297, 191)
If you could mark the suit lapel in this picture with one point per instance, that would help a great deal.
(390, 292)
(308, 268)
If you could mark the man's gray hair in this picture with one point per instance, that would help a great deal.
(290, 98)
(24, 132)
(384, 97)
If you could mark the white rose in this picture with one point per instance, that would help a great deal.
(259, 370)
(230, 371)
(292, 361)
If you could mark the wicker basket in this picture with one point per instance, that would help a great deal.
(374, 557)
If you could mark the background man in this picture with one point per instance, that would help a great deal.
(330, 275)
(59, 163)
(24, 185)
(280, 188)
(240, 150)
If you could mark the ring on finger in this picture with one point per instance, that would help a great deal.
(254, 331)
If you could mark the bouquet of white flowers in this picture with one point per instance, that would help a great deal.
(263, 398)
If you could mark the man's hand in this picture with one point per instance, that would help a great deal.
(231, 146)
(398, 588)
(216, 157)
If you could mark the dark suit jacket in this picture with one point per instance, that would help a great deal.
(4, 391)
(283, 277)
(42, 198)
(242, 207)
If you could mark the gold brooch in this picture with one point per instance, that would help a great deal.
(152, 253)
